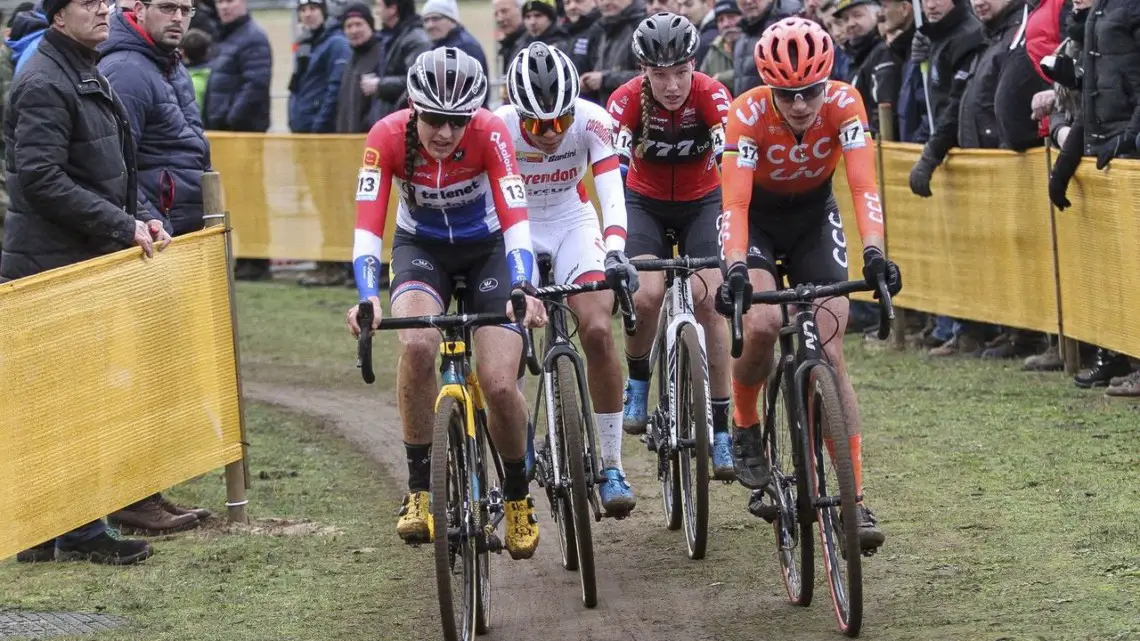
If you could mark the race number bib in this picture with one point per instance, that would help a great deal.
(514, 191)
(623, 142)
(852, 135)
(367, 184)
(746, 153)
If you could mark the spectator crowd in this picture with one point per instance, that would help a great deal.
(105, 109)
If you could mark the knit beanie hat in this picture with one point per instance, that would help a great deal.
(723, 7)
(359, 10)
(320, 3)
(446, 8)
(52, 7)
(542, 6)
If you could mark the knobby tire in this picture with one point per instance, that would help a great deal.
(450, 488)
(693, 423)
(568, 409)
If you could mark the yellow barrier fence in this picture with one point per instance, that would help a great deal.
(982, 248)
(121, 381)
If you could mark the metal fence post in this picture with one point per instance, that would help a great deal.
(237, 473)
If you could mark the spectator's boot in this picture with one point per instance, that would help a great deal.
(149, 518)
(960, 345)
(325, 275)
(201, 513)
(106, 550)
(1125, 387)
(252, 269)
(1047, 361)
(1016, 343)
(41, 553)
(1108, 364)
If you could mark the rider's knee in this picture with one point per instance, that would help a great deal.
(420, 349)
(499, 388)
(833, 349)
(762, 324)
(596, 333)
(648, 299)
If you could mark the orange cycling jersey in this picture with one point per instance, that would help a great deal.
(765, 162)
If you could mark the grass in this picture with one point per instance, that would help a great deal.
(1009, 499)
(332, 575)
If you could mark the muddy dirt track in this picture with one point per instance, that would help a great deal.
(648, 589)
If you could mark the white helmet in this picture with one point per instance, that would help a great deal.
(447, 81)
(542, 82)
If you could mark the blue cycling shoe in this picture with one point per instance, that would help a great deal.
(723, 469)
(616, 494)
(634, 415)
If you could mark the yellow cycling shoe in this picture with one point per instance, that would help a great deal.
(522, 528)
(415, 524)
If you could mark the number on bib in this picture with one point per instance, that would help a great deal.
(514, 192)
(368, 184)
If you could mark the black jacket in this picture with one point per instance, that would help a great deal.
(237, 93)
(1110, 93)
(554, 36)
(747, 75)
(954, 42)
(614, 56)
(353, 108)
(70, 164)
(406, 41)
(508, 47)
(871, 60)
(977, 116)
(582, 39)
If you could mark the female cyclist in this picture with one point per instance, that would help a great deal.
(783, 145)
(556, 136)
(670, 135)
(462, 210)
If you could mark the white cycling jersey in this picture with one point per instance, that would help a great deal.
(563, 222)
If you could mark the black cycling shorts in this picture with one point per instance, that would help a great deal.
(431, 267)
(808, 239)
(692, 222)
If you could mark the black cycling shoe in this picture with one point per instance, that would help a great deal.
(748, 457)
(870, 536)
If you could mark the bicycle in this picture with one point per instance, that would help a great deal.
(466, 508)
(567, 465)
(680, 428)
(814, 420)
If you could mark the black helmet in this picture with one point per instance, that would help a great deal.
(665, 40)
(542, 82)
(447, 81)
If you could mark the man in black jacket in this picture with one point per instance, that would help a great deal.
(540, 19)
(758, 16)
(582, 32)
(354, 105)
(977, 117)
(74, 190)
(869, 56)
(614, 62)
(404, 30)
(509, 21)
(956, 37)
(1110, 93)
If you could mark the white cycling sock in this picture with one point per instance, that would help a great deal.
(609, 434)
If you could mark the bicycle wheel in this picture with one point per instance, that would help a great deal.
(559, 504)
(789, 486)
(483, 555)
(568, 409)
(456, 567)
(693, 425)
(668, 469)
(835, 515)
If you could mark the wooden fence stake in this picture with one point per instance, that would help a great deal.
(887, 132)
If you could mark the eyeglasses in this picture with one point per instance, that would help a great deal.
(536, 126)
(807, 94)
(437, 121)
(93, 5)
(170, 9)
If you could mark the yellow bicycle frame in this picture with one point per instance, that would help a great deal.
(465, 390)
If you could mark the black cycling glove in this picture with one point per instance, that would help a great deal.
(1067, 162)
(1119, 146)
(877, 269)
(618, 269)
(735, 280)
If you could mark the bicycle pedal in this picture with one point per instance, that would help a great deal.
(870, 553)
(493, 543)
(764, 511)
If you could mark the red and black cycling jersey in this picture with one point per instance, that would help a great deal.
(678, 156)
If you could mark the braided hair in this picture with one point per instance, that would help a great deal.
(646, 103)
(411, 150)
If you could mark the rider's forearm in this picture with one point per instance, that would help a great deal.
(611, 197)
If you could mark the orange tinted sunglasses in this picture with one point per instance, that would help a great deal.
(536, 126)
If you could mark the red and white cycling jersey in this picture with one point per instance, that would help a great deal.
(469, 196)
(555, 183)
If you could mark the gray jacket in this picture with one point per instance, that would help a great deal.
(406, 41)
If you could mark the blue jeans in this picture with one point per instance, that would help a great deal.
(946, 328)
(80, 534)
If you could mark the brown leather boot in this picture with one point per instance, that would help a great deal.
(148, 518)
(201, 513)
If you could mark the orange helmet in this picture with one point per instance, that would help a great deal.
(794, 53)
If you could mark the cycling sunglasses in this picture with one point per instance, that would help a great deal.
(436, 121)
(536, 126)
(807, 94)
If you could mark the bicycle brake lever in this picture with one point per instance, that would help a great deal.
(364, 317)
(738, 324)
(886, 311)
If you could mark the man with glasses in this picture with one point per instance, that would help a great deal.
(71, 176)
